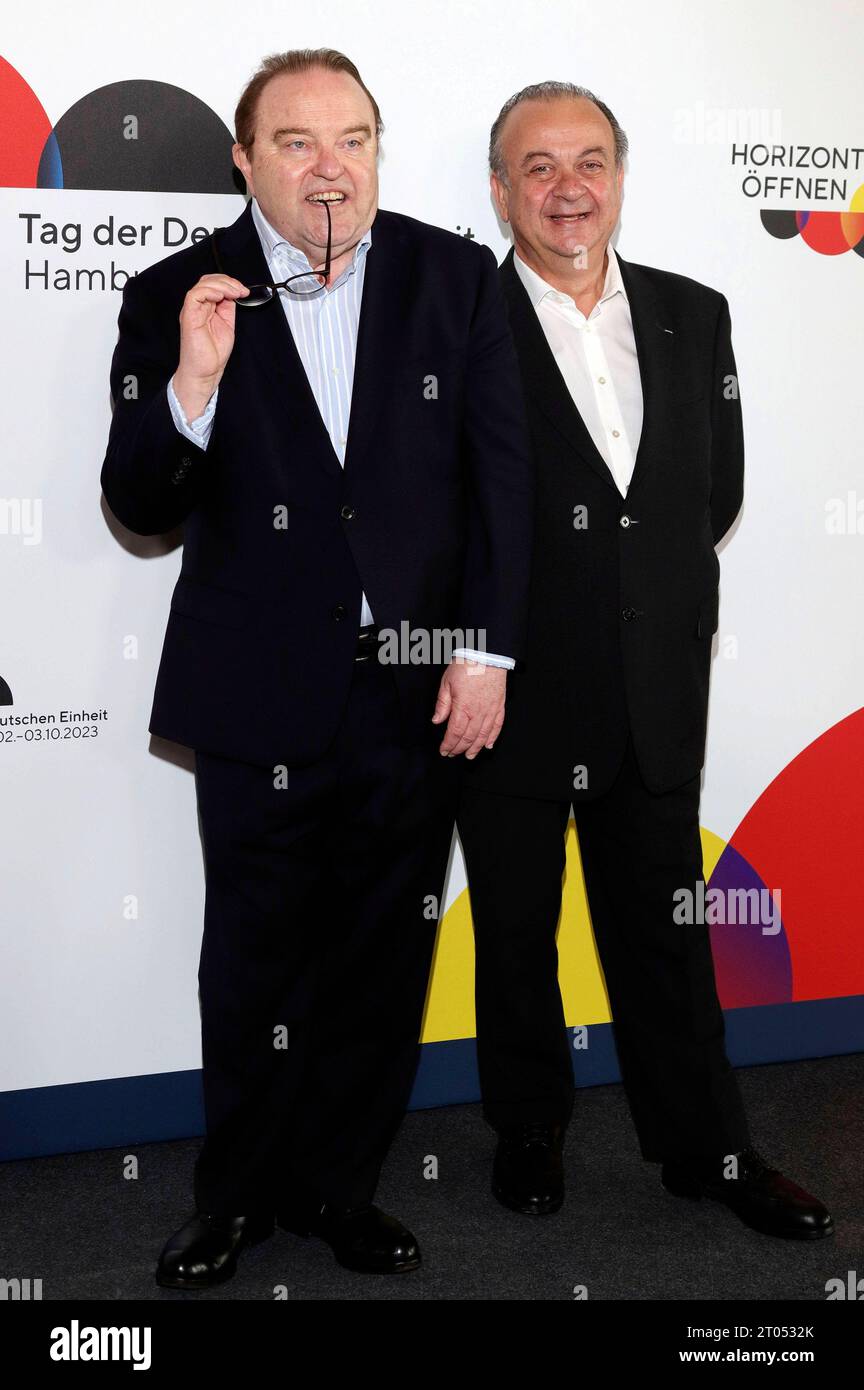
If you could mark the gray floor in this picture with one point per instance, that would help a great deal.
(74, 1221)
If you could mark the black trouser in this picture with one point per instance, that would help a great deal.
(319, 928)
(637, 848)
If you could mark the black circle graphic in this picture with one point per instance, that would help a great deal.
(140, 136)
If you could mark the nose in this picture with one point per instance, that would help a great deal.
(327, 165)
(570, 187)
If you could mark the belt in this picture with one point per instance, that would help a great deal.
(367, 643)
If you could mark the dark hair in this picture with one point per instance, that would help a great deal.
(548, 91)
(295, 60)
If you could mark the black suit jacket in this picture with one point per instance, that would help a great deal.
(431, 516)
(622, 612)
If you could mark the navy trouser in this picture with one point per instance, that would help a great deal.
(637, 849)
(319, 928)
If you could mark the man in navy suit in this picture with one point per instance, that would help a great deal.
(632, 396)
(349, 458)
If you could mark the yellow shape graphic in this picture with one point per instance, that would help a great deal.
(450, 1000)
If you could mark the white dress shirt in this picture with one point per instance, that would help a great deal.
(597, 359)
(324, 328)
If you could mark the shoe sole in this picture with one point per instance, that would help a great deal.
(404, 1267)
(193, 1286)
(547, 1208)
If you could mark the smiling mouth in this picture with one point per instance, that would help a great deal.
(569, 216)
(326, 196)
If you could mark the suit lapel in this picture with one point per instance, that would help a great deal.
(548, 389)
(656, 349)
(384, 309)
(265, 335)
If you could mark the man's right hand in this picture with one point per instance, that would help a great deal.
(206, 339)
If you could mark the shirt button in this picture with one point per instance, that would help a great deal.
(602, 380)
(628, 614)
(347, 513)
(616, 434)
(335, 371)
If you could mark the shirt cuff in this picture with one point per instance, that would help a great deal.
(485, 658)
(198, 431)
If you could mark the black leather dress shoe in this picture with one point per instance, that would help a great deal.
(761, 1196)
(204, 1252)
(362, 1238)
(528, 1172)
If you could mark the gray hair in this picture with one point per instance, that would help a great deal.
(548, 91)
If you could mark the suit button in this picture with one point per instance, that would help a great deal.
(347, 513)
(625, 522)
(339, 612)
(628, 614)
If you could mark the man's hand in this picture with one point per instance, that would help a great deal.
(471, 699)
(206, 339)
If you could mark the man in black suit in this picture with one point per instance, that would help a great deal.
(327, 505)
(633, 409)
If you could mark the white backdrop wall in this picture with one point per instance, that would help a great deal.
(102, 881)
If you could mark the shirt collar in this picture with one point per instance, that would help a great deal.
(272, 244)
(538, 288)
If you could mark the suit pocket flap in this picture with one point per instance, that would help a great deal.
(211, 605)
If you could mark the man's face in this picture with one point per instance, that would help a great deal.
(314, 132)
(565, 189)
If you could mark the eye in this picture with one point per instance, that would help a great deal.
(540, 168)
(593, 164)
(353, 141)
(295, 144)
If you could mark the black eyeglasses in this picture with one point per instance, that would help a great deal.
(312, 281)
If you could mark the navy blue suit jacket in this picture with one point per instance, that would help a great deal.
(625, 604)
(431, 515)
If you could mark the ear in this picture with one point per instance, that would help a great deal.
(500, 193)
(241, 159)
